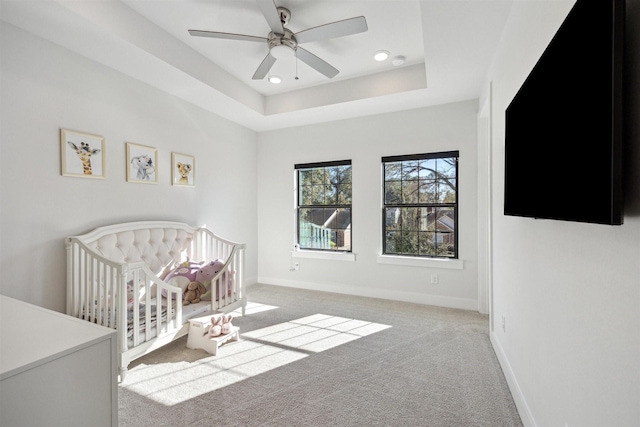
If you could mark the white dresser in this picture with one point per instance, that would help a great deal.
(55, 370)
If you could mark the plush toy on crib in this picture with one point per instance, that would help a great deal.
(181, 276)
(186, 269)
(193, 293)
(205, 273)
(130, 294)
(220, 325)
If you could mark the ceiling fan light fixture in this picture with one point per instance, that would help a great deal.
(275, 80)
(282, 52)
(381, 55)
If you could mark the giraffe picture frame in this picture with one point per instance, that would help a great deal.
(82, 154)
(142, 163)
(183, 170)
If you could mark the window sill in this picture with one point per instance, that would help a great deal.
(334, 256)
(453, 264)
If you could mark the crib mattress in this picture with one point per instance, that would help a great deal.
(188, 312)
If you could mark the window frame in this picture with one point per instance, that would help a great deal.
(298, 206)
(455, 206)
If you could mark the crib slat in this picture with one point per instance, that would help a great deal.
(112, 302)
(147, 309)
(99, 291)
(121, 309)
(135, 277)
(87, 306)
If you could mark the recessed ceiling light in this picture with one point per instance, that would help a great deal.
(398, 60)
(381, 55)
(275, 79)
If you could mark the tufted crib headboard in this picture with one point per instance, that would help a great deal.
(157, 244)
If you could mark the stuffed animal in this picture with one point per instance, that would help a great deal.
(226, 323)
(216, 326)
(187, 269)
(192, 293)
(206, 273)
(182, 275)
(130, 294)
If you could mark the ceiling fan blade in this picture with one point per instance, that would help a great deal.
(264, 67)
(333, 30)
(316, 63)
(230, 36)
(270, 12)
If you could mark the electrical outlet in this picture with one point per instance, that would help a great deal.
(434, 279)
(296, 266)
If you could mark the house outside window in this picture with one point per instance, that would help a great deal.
(324, 206)
(420, 205)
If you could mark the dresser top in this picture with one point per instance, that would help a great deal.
(32, 335)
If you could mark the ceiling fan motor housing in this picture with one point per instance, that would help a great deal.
(282, 45)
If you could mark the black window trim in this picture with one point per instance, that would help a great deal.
(313, 165)
(322, 164)
(424, 156)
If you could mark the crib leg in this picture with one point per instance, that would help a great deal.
(123, 374)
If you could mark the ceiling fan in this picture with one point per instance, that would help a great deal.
(283, 43)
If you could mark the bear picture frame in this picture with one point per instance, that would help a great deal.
(142, 164)
(183, 170)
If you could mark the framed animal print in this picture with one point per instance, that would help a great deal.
(183, 169)
(82, 154)
(142, 164)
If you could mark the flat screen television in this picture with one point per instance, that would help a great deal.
(563, 136)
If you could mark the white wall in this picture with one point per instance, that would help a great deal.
(569, 292)
(365, 141)
(45, 88)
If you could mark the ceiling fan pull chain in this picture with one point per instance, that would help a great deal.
(296, 53)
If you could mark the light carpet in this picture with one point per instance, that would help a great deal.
(308, 358)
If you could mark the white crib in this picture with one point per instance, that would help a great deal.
(115, 277)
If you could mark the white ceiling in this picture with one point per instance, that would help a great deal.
(448, 46)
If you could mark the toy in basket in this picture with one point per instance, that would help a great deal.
(210, 332)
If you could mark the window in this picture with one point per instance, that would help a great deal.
(420, 206)
(324, 205)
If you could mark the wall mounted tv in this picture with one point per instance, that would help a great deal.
(563, 147)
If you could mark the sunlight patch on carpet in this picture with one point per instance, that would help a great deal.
(253, 308)
(316, 333)
(173, 383)
(262, 350)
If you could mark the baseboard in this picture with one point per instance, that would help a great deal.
(248, 281)
(512, 382)
(394, 295)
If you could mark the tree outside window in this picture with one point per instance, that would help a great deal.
(420, 206)
(324, 206)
